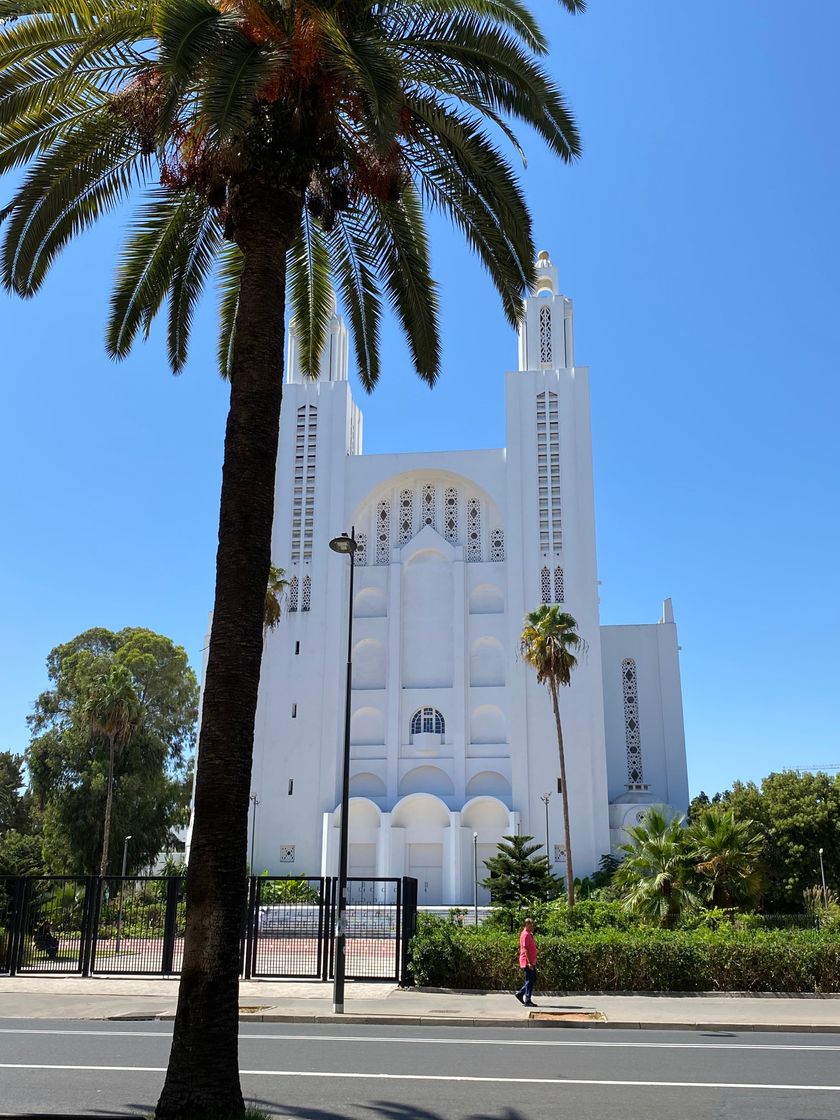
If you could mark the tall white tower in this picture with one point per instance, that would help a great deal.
(551, 517)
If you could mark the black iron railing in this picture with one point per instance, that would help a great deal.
(134, 926)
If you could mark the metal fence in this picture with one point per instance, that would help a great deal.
(134, 926)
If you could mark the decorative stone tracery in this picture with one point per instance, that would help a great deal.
(632, 731)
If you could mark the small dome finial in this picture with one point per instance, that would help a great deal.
(547, 279)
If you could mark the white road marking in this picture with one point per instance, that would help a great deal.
(412, 1039)
(557, 1081)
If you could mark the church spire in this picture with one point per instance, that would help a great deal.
(546, 331)
(333, 365)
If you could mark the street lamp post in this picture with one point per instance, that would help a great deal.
(475, 878)
(255, 802)
(545, 798)
(345, 546)
(122, 887)
(822, 876)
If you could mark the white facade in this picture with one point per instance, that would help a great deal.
(450, 733)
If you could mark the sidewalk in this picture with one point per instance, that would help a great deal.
(71, 997)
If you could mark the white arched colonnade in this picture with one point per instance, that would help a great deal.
(423, 838)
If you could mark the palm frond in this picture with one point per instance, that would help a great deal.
(355, 270)
(192, 267)
(310, 292)
(230, 276)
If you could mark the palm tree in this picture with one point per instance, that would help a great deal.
(274, 595)
(727, 854)
(549, 643)
(657, 877)
(111, 710)
(276, 143)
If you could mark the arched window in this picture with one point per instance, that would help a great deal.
(293, 594)
(545, 585)
(306, 602)
(559, 586)
(428, 721)
(545, 335)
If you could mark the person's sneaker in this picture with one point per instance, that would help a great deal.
(519, 996)
(530, 1003)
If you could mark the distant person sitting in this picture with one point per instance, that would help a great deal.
(528, 963)
(46, 941)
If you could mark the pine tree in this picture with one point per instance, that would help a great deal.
(519, 876)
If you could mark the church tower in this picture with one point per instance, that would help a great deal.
(551, 517)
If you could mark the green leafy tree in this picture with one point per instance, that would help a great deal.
(727, 856)
(550, 644)
(518, 876)
(798, 813)
(277, 142)
(657, 877)
(14, 802)
(81, 735)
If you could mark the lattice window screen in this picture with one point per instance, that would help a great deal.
(545, 335)
(450, 515)
(497, 546)
(306, 595)
(632, 731)
(297, 500)
(559, 586)
(383, 532)
(559, 853)
(287, 853)
(406, 527)
(309, 505)
(545, 585)
(473, 530)
(361, 549)
(429, 512)
(548, 472)
(293, 594)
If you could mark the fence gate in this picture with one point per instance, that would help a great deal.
(287, 924)
(139, 925)
(291, 928)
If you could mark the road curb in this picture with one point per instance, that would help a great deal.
(551, 1024)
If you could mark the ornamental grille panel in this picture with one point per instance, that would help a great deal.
(306, 597)
(406, 528)
(548, 472)
(545, 335)
(450, 515)
(429, 517)
(497, 546)
(559, 586)
(559, 853)
(383, 532)
(293, 594)
(287, 853)
(632, 731)
(545, 586)
(303, 499)
(361, 549)
(428, 721)
(473, 530)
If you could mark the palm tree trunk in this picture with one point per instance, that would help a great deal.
(567, 835)
(109, 801)
(203, 1075)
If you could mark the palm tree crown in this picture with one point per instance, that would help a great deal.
(727, 854)
(352, 115)
(657, 875)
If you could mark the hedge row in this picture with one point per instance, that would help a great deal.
(448, 956)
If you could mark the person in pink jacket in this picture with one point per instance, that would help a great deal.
(528, 963)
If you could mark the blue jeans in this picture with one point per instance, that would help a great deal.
(527, 989)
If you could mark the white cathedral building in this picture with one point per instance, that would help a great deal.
(453, 742)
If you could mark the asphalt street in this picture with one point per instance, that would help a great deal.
(392, 1073)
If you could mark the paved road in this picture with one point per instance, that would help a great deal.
(374, 1073)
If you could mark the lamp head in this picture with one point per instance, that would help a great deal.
(475, 836)
(128, 838)
(344, 545)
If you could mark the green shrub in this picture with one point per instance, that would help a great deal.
(276, 891)
(612, 959)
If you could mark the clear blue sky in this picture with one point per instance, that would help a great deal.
(699, 239)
